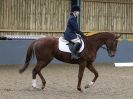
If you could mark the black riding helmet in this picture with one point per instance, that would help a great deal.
(75, 8)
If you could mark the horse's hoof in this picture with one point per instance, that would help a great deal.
(79, 89)
(42, 87)
(21, 70)
(36, 88)
(87, 86)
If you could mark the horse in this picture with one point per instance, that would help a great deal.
(45, 49)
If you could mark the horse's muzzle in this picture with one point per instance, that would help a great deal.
(112, 55)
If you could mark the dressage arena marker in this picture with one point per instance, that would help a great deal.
(128, 64)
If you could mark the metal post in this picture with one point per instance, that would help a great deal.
(73, 2)
(79, 4)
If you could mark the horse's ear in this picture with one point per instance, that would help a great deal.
(117, 36)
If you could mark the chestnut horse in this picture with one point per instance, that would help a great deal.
(45, 49)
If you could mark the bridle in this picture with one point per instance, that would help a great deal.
(106, 48)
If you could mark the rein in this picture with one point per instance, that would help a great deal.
(80, 39)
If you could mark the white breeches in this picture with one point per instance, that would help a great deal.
(77, 40)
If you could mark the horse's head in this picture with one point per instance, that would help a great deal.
(111, 45)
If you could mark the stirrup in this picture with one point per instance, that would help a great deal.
(74, 57)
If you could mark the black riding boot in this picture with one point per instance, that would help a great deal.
(75, 48)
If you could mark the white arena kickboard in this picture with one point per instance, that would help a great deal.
(128, 64)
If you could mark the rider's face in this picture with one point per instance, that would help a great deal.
(76, 13)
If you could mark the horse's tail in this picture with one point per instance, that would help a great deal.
(30, 53)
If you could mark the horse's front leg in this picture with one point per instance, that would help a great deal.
(92, 69)
(82, 66)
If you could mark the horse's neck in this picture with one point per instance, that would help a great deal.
(97, 42)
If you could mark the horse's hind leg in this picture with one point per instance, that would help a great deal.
(34, 73)
(37, 70)
(42, 65)
(92, 69)
(43, 80)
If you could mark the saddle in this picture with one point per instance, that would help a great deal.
(66, 46)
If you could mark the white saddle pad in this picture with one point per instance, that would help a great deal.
(65, 48)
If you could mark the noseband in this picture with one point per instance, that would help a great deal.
(105, 48)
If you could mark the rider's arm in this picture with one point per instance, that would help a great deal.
(74, 24)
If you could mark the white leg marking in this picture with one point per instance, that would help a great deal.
(34, 83)
(89, 85)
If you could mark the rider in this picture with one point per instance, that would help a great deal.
(72, 30)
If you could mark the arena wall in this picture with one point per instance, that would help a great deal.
(49, 17)
(31, 17)
(107, 15)
(14, 52)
